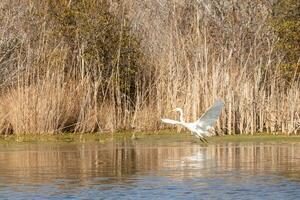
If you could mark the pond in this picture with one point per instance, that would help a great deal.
(150, 169)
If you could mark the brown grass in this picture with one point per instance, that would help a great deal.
(195, 54)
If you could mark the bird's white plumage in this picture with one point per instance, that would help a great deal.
(209, 118)
(170, 121)
(200, 127)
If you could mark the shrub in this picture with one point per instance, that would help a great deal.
(103, 41)
(286, 23)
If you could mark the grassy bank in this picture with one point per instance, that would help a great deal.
(161, 136)
(255, 138)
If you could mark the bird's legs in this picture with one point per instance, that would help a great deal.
(198, 135)
(203, 139)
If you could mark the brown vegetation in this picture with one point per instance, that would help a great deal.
(89, 66)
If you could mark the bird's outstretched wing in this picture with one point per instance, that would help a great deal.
(170, 121)
(208, 119)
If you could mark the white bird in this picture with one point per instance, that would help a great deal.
(200, 127)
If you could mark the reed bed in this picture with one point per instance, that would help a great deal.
(188, 54)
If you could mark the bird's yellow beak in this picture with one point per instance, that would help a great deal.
(171, 110)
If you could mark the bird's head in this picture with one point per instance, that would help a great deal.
(178, 110)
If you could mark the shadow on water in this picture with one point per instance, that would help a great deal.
(129, 166)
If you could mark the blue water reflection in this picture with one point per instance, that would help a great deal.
(150, 170)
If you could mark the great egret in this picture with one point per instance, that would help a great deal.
(200, 127)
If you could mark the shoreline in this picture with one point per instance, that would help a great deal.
(103, 138)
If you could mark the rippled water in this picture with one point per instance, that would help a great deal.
(145, 169)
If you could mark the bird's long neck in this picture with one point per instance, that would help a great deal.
(181, 116)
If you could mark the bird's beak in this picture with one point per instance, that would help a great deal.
(172, 110)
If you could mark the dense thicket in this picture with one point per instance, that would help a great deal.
(286, 23)
(91, 65)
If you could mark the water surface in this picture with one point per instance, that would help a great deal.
(150, 169)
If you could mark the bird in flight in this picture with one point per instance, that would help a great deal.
(200, 128)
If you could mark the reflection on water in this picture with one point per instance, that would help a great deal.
(136, 168)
